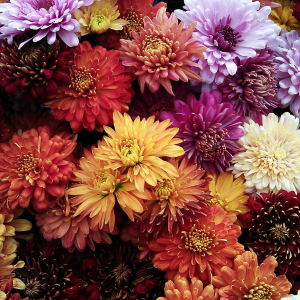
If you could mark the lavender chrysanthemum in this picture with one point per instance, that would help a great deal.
(47, 17)
(228, 29)
(208, 129)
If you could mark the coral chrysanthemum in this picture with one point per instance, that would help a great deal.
(100, 187)
(208, 128)
(182, 289)
(99, 17)
(138, 146)
(228, 29)
(248, 280)
(269, 154)
(177, 200)
(161, 52)
(228, 193)
(47, 17)
(99, 85)
(34, 166)
(208, 245)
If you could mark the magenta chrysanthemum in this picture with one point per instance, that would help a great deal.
(228, 29)
(208, 129)
(47, 17)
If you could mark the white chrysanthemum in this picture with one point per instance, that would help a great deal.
(269, 155)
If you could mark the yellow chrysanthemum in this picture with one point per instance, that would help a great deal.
(283, 16)
(99, 17)
(138, 145)
(228, 193)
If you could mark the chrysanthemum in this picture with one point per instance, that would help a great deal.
(208, 129)
(228, 29)
(228, 193)
(286, 65)
(138, 146)
(47, 17)
(34, 166)
(182, 289)
(99, 85)
(177, 200)
(35, 69)
(161, 52)
(208, 245)
(269, 154)
(253, 88)
(248, 280)
(100, 187)
(273, 230)
(99, 17)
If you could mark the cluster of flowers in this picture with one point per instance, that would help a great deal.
(154, 153)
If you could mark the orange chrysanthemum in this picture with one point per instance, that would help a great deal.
(99, 85)
(99, 189)
(182, 289)
(161, 52)
(248, 280)
(138, 145)
(205, 247)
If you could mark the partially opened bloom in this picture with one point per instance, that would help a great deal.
(34, 166)
(269, 154)
(139, 146)
(161, 52)
(182, 289)
(48, 17)
(99, 85)
(248, 280)
(208, 129)
(228, 29)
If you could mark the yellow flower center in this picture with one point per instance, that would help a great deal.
(135, 21)
(217, 200)
(99, 23)
(131, 153)
(157, 46)
(261, 292)
(68, 209)
(83, 81)
(101, 179)
(165, 189)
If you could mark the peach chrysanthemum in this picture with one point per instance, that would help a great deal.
(161, 52)
(99, 17)
(248, 280)
(269, 155)
(138, 146)
(100, 187)
(182, 289)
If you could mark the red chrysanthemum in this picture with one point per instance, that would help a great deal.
(99, 85)
(34, 166)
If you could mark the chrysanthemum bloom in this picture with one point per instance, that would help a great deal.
(138, 146)
(283, 16)
(99, 189)
(34, 166)
(208, 245)
(48, 273)
(115, 272)
(253, 88)
(47, 17)
(6, 292)
(226, 32)
(273, 230)
(99, 17)
(177, 200)
(248, 280)
(161, 52)
(208, 129)
(228, 193)
(35, 69)
(99, 85)
(182, 289)
(286, 65)
(269, 155)
(270, 3)
(59, 222)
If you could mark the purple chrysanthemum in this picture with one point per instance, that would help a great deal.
(47, 17)
(228, 29)
(287, 64)
(208, 129)
(252, 89)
